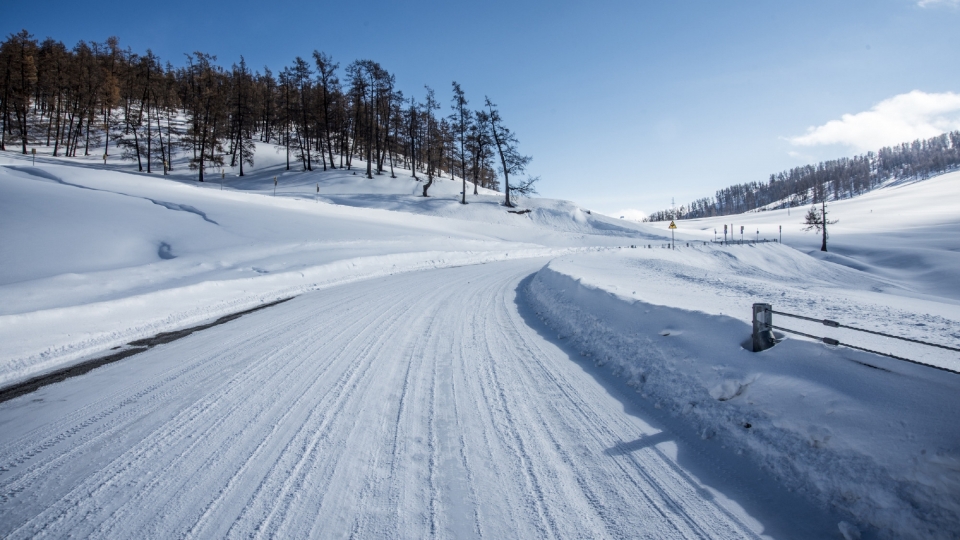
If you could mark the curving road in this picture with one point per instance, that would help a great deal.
(418, 405)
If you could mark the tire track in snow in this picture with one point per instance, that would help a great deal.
(179, 375)
(599, 430)
(496, 396)
(205, 444)
(412, 405)
(687, 503)
(300, 447)
(137, 455)
(384, 330)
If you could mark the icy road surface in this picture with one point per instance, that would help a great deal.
(426, 404)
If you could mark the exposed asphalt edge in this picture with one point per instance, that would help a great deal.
(136, 347)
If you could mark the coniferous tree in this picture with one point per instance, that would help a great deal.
(329, 86)
(95, 94)
(818, 221)
(19, 69)
(479, 145)
(302, 81)
(206, 106)
(242, 118)
(511, 161)
(461, 119)
(432, 137)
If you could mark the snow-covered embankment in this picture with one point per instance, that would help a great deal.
(878, 444)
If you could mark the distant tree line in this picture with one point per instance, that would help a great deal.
(828, 180)
(84, 98)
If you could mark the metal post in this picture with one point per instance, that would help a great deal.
(763, 337)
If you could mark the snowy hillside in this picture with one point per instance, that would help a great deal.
(906, 233)
(462, 370)
(92, 245)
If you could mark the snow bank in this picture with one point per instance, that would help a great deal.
(871, 436)
(40, 341)
(94, 258)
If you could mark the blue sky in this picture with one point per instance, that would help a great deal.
(622, 104)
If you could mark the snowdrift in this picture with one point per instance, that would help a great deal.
(96, 256)
(871, 436)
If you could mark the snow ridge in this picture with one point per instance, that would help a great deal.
(692, 365)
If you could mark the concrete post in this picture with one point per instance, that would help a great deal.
(762, 332)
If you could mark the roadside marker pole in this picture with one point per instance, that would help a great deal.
(34, 152)
(274, 186)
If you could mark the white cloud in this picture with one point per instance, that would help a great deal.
(928, 3)
(902, 118)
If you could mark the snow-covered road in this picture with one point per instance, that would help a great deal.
(415, 405)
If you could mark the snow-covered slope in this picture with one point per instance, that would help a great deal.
(906, 232)
(866, 434)
(95, 257)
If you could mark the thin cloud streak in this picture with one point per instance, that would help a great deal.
(932, 3)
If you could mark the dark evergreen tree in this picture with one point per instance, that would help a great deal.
(511, 161)
(462, 120)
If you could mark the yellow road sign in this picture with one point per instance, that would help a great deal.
(672, 225)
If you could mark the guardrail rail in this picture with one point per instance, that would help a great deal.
(763, 337)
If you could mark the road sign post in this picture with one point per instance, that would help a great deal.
(673, 227)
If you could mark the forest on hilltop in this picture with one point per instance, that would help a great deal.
(94, 94)
(828, 180)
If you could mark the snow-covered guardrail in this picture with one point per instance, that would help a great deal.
(763, 337)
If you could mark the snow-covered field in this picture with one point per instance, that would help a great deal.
(450, 370)
(905, 232)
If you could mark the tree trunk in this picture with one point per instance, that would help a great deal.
(823, 210)
(429, 182)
